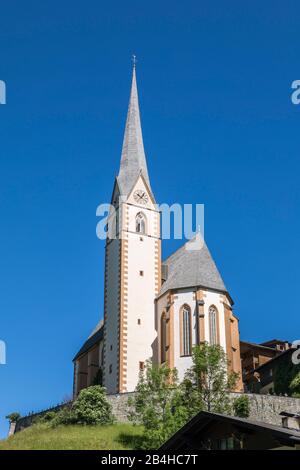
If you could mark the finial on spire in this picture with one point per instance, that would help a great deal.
(134, 61)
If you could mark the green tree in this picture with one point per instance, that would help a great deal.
(157, 404)
(163, 406)
(207, 384)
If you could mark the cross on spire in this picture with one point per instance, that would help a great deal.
(134, 61)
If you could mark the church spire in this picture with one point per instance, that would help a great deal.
(133, 160)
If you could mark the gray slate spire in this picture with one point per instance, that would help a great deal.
(191, 268)
(133, 160)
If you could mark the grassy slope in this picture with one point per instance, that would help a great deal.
(43, 437)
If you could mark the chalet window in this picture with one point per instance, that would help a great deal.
(185, 331)
(213, 330)
(228, 443)
(140, 223)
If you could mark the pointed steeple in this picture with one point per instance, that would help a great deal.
(133, 160)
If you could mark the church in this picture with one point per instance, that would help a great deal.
(153, 309)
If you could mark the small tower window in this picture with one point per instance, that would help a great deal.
(140, 223)
(213, 331)
(101, 356)
(142, 365)
(141, 273)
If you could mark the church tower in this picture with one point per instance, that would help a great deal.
(132, 263)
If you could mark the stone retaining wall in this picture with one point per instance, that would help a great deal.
(119, 405)
(265, 408)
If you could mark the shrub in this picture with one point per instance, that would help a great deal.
(241, 406)
(48, 416)
(66, 416)
(13, 417)
(92, 407)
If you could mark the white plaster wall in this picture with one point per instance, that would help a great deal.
(141, 291)
(185, 296)
(181, 298)
(160, 308)
(112, 318)
(152, 218)
(141, 294)
(141, 186)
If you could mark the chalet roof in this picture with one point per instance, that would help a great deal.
(185, 435)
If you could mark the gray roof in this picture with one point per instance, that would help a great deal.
(95, 337)
(133, 160)
(190, 268)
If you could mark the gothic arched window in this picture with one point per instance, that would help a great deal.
(163, 338)
(185, 331)
(213, 324)
(140, 223)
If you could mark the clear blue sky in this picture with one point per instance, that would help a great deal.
(219, 128)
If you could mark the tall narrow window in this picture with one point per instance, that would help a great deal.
(163, 338)
(101, 358)
(140, 223)
(213, 327)
(185, 331)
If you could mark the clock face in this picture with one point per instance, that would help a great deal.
(140, 196)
